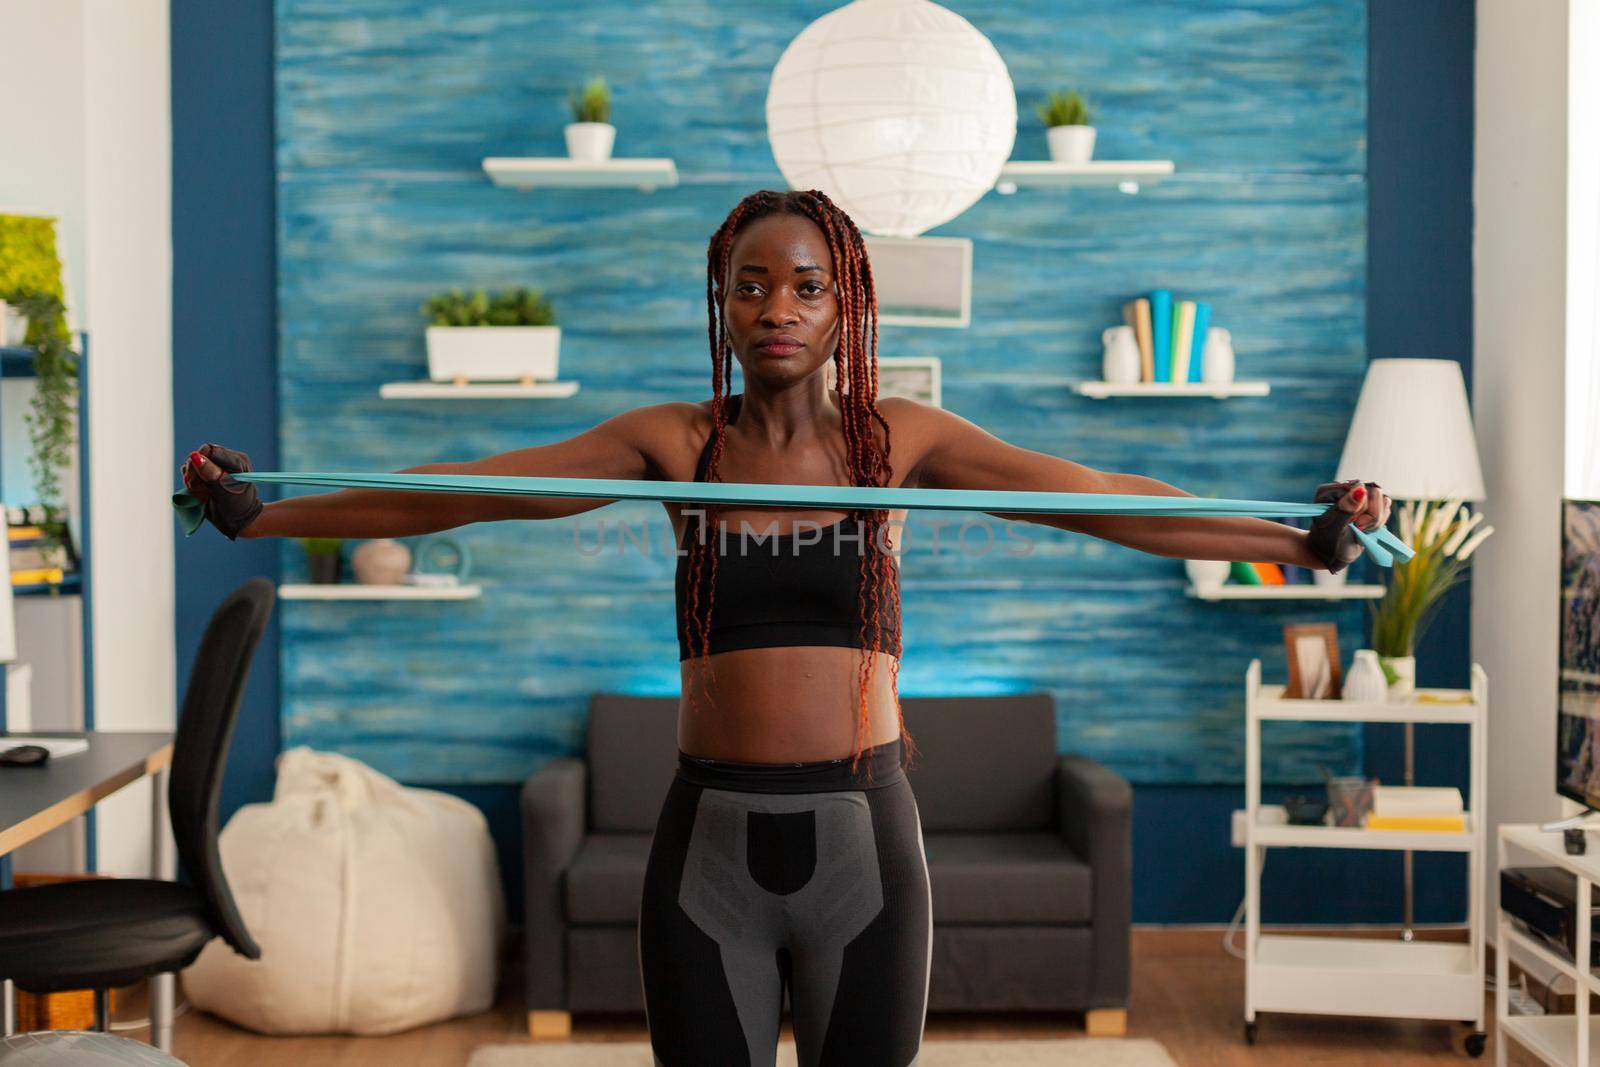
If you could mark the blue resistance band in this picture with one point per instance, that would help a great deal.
(1380, 544)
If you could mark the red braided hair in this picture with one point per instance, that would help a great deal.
(855, 364)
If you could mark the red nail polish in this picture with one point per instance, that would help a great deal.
(197, 459)
(1359, 492)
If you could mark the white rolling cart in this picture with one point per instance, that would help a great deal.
(1562, 1040)
(1389, 978)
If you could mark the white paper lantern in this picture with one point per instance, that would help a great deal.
(899, 110)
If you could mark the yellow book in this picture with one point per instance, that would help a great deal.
(1182, 339)
(23, 533)
(1440, 823)
(49, 575)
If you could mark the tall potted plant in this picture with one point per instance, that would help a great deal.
(31, 290)
(1067, 117)
(590, 134)
(1444, 536)
(509, 336)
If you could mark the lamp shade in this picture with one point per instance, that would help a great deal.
(1412, 432)
(900, 110)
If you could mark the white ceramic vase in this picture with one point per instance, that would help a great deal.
(1405, 672)
(1207, 573)
(1329, 581)
(1365, 681)
(381, 562)
(1216, 358)
(1071, 144)
(591, 141)
(1120, 363)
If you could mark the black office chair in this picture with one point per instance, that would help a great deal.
(102, 933)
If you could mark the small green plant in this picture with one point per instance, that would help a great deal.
(1069, 108)
(511, 307)
(321, 546)
(593, 102)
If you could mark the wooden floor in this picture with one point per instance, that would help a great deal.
(1187, 994)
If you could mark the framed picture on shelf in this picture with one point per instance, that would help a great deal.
(1312, 649)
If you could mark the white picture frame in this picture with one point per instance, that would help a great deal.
(922, 281)
(914, 377)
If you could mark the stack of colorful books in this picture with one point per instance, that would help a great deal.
(34, 560)
(1171, 335)
(1271, 573)
(1411, 807)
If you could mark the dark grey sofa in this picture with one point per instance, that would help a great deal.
(1029, 855)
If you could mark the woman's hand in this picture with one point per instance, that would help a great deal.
(1330, 538)
(230, 504)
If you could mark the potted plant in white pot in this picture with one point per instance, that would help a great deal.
(1444, 537)
(590, 134)
(1067, 118)
(509, 336)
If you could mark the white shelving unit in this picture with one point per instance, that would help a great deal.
(1214, 390)
(534, 172)
(1230, 591)
(426, 390)
(1363, 976)
(1126, 174)
(357, 591)
(1562, 1040)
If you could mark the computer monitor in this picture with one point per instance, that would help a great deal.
(1578, 688)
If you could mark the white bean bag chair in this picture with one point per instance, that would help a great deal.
(377, 906)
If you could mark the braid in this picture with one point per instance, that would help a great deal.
(856, 388)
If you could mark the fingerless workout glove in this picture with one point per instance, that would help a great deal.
(229, 504)
(1330, 537)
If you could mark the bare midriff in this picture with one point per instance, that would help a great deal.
(784, 705)
(787, 704)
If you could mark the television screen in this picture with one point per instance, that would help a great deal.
(1578, 692)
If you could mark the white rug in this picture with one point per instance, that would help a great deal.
(1080, 1052)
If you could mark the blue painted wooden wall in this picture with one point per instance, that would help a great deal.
(385, 109)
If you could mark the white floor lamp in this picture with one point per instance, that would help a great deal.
(1412, 434)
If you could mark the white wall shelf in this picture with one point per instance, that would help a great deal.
(534, 172)
(1363, 976)
(1312, 591)
(1127, 175)
(1214, 390)
(1563, 1040)
(426, 390)
(357, 591)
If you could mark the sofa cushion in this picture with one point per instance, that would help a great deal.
(985, 763)
(1006, 878)
(633, 754)
(605, 882)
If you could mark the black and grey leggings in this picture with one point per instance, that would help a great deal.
(765, 878)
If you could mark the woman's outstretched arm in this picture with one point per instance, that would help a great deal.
(951, 452)
(624, 446)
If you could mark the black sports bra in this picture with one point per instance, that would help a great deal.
(799, 588)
